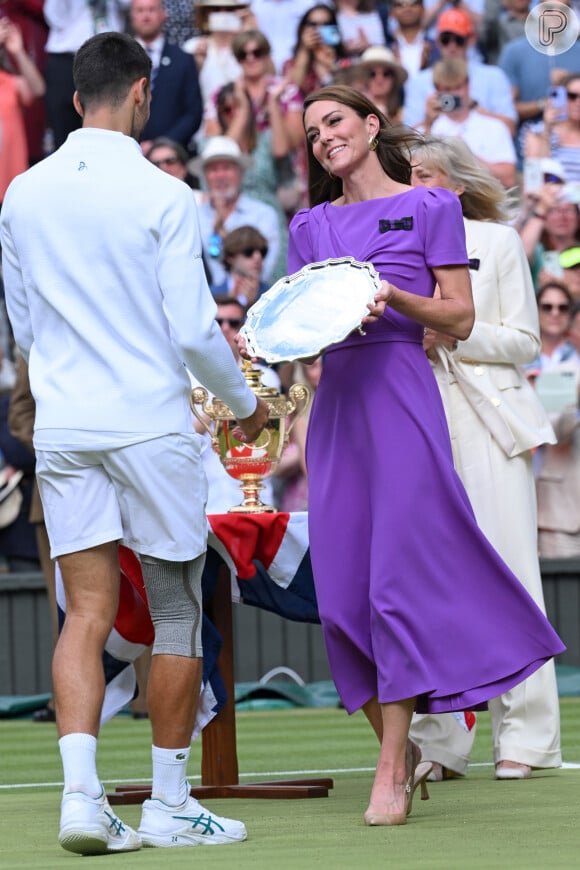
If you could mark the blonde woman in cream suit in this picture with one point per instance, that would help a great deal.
(495, 420)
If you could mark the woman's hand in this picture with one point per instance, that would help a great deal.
(377, 308)
(432, 339)
(546, 198)
(11, 37)
(311, 38)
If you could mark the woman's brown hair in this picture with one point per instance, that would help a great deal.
(394, 143)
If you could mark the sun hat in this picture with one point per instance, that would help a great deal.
(570, 258)
(378, 54)
(455, 21)
(220, 148)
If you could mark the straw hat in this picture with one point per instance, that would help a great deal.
(220, 148)
(378, 54)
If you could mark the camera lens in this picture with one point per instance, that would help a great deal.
(449, 102)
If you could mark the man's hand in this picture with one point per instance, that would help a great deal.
(432, 109)
(250, 427)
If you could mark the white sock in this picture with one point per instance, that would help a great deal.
(170, 775)
(78, 753)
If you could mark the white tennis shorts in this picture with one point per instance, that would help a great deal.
(150, 496)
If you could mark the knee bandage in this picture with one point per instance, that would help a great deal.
(174, 596)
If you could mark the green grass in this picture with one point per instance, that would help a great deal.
(470, 823)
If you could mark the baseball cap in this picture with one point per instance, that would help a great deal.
(455, 21)
(570, 258)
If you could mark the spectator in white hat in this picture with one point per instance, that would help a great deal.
(385, 78)
(223, 206)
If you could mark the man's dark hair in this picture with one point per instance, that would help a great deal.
(226, 299)
(106, 66)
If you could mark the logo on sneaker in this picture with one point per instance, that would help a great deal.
(207, 824)
(115, 824)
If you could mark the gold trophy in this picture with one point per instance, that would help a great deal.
(251, 463)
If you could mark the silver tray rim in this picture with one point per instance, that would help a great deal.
(249, 330)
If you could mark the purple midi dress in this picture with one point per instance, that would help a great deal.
(413, 599)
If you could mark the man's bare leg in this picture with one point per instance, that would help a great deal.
(91, 585)
(172, 698)
(88, 825)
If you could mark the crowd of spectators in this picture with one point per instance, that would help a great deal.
(229, 78)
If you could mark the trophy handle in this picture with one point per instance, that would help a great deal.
(300, 397)
(200, 396)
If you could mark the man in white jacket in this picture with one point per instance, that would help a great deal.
(108, 301)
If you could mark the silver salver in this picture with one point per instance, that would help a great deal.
(304, 313)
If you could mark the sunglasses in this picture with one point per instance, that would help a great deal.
(233, 322)
(448, 38)
(385, 73)
(249, 252)
(251, 52)
(572, 95)
(166, 161)
(317, 23)
(400, 4)
(561, 307)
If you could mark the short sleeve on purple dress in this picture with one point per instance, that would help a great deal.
(413, 599)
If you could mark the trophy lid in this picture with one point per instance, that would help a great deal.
(253, 376)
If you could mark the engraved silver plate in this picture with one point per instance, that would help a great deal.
(304, 313)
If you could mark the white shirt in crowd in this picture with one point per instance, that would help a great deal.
(71, 22)
(488, 138)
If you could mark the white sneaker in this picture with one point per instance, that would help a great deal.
(88, 826)
(187, 825)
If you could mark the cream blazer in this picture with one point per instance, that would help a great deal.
(505, 336)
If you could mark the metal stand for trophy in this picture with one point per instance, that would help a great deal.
(219, 759)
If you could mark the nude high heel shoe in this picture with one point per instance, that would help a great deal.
(419, 778)
(372, 819)
(420, 775)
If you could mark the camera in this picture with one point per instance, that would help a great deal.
(329, 33)
(449, 102)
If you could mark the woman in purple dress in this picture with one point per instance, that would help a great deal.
(395, 548)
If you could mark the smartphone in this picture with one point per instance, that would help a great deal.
(559, 100)
(329, 33)
(533, 174)
(557, 388)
